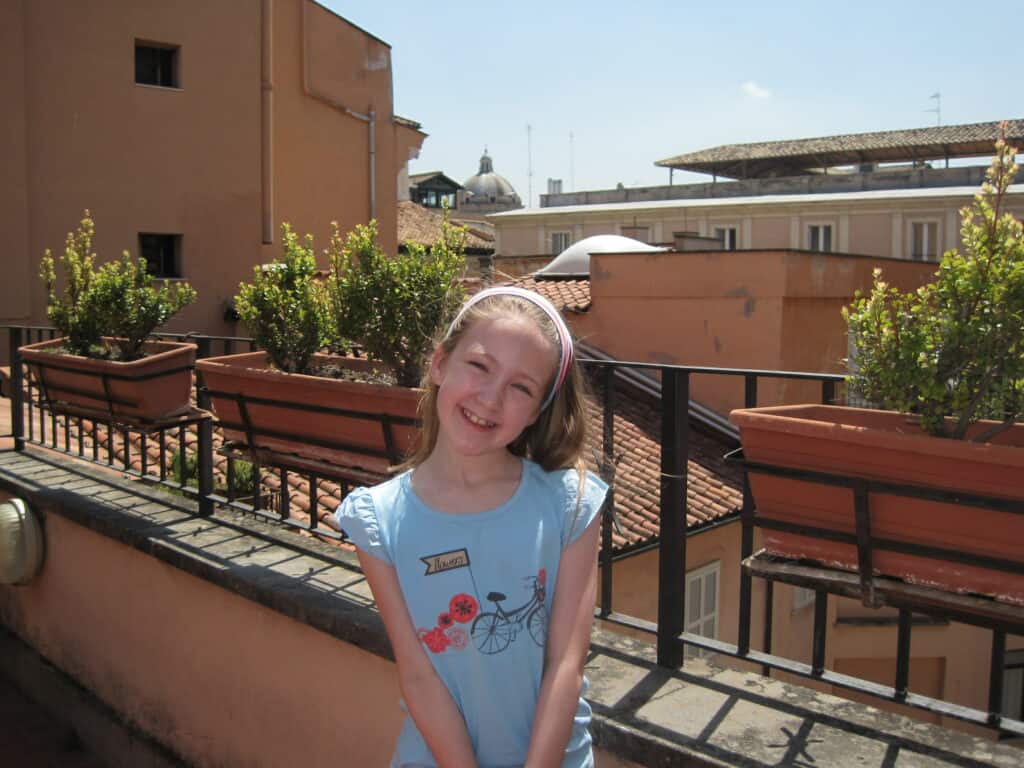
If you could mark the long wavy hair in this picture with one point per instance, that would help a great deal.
(556, 439)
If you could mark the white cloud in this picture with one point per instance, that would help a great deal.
(755, 91)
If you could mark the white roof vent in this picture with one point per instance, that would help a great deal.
(575, 260)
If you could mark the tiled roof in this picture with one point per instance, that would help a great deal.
(714, 489)
(408, 123)
(415, 179)
(799, 155)
(417, 224)
(567, 295)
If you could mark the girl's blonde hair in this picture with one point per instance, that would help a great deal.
(556, 439)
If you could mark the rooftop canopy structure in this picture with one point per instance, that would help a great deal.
(800, 157)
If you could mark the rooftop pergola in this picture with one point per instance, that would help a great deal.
(799, 157)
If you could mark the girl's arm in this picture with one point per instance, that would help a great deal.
(426, 696)
(572, 614)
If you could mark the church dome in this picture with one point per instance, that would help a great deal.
(489, 186)
(575, 260)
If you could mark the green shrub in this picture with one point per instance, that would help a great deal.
(186, 473)
(393, 306)
(77, 315)
(282, 306)
(117, 300)
(134, 307)
(185, 469)
(952, 352)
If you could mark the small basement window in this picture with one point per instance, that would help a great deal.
(162, 254)
(156, 64)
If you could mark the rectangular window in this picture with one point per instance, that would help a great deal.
(156, 64)
(162, 254)
(1013, 685)
(559, 242)
(643, 234)
(702, 605)
(727, 235)
(924, 240)
(819, 237)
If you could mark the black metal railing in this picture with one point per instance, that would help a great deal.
(262, 483)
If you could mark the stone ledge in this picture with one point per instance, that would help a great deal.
(702, 715)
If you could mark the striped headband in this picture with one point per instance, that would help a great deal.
(565, 354)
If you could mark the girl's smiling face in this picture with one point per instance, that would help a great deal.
(491, 386)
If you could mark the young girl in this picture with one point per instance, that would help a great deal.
(482, 555)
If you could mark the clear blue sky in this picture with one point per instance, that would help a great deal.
(642, 81)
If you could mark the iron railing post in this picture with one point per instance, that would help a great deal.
(608, 475)
(746, 537)
(828, 392)
(995, 678)
(202, 394)
(17, 395)
(205, 449)
(675, 425)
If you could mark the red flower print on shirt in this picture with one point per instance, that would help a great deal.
(445, 620)
(542, 576)
(436, 640)
(458, 638)
(463, 608)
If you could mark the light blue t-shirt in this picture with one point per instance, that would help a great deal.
(479, 588)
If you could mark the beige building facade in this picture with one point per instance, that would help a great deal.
(912, 224)
(190, 131)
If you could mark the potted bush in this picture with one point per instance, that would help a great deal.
(331, 406)
(104, 363)
(948, 360)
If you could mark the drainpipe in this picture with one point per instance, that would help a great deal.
(370, 117)
(267, 120)
(372, 124)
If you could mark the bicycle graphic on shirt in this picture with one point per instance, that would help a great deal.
(492, 632)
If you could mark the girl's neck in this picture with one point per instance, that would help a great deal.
(463, 485)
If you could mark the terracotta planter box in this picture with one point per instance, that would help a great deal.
(883, 445)
(152, 388)
(339, 422)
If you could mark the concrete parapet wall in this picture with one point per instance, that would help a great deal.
(227, 642)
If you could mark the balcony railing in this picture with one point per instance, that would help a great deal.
(266, 485)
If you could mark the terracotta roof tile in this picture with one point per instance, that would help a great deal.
(566, 295)
(714, 488)
(417, 224)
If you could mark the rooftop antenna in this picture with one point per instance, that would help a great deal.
(529, 166)
(937, 109)
(572, 166)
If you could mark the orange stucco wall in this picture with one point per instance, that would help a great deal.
(261, 83)
(142, 159)
(221, 680)
(323, 65)
(14, 177)
(777, 310)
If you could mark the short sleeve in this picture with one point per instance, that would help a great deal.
(582, 505)
(357, 516)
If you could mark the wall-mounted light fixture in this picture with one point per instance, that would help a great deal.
(21, 543)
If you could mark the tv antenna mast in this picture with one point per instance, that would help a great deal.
(572, 166)
(937, 109)
(529, 166)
